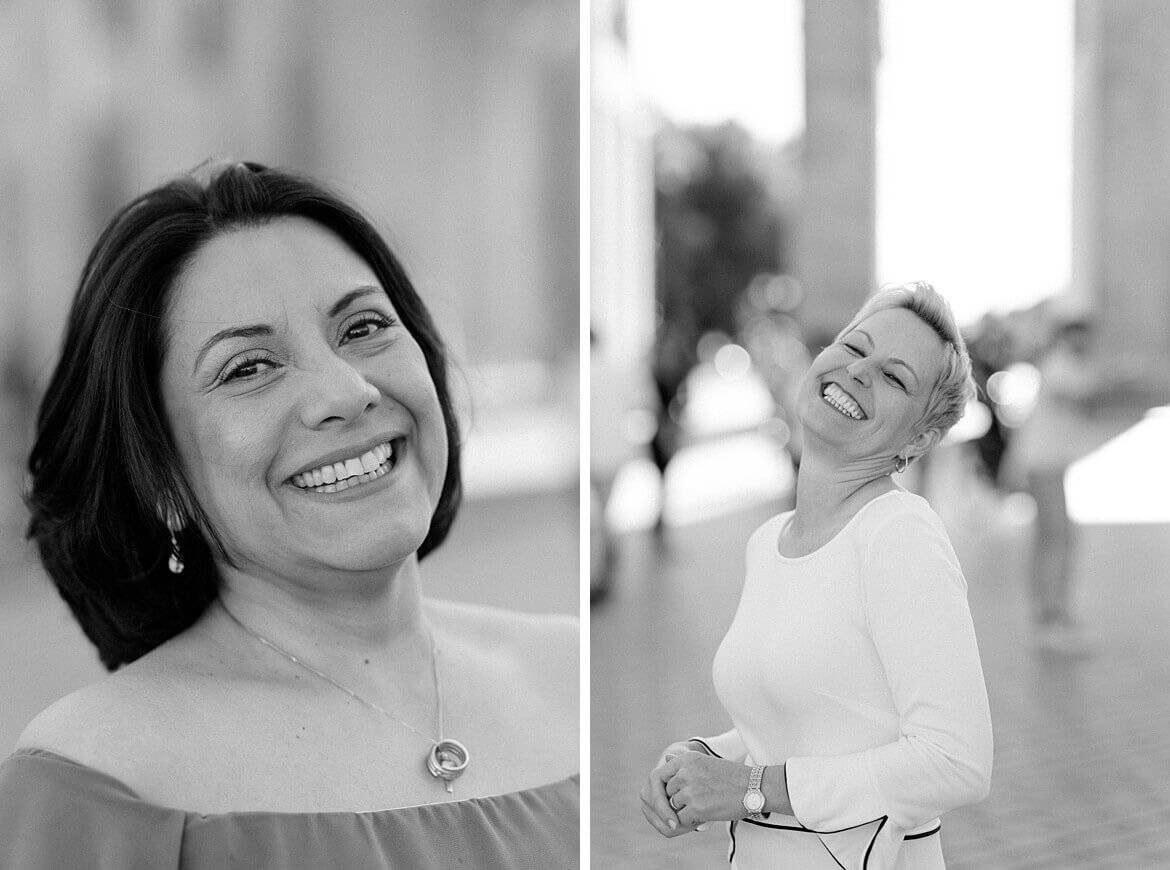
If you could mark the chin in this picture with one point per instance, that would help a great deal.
(393, 546)
(372, 548)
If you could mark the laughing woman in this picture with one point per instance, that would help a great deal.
(850, 671)
(246, 450)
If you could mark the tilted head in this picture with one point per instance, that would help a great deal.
(896, 378)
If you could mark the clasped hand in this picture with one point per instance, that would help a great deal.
(703, 789)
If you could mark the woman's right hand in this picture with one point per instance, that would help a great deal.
(656, 806)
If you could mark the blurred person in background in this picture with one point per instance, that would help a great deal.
(990, 348)
(850, 671)
(1063, 427)
(245, 451)
(674, 357)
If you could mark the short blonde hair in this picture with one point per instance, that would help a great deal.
(954, 387)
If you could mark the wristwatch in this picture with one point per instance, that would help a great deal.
(753, 801)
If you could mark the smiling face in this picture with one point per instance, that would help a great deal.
(864, 394)
(303, 413)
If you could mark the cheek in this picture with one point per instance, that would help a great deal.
(810, 383)
(432, 429)
(907, 413)
(222, 454)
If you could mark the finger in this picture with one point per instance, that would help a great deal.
(655, 799)
(667, 832)
(657, 823)
(669, 769)
(659, 800)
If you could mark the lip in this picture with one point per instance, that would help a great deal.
(344, 453)
(825, 383)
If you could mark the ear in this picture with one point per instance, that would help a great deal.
(922, 443)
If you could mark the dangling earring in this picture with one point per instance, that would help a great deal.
(175, 563)
(900, 463)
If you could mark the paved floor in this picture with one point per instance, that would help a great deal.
(1082, 746)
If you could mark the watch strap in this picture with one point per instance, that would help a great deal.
(756, 777)
(755, 780)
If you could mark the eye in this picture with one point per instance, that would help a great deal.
(894, 379)
(853, 349)
(246, 367)
(364, 325)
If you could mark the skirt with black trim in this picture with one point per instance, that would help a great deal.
(781, 843)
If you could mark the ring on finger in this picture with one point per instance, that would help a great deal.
(673, 805)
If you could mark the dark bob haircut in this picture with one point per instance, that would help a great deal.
(104, 469)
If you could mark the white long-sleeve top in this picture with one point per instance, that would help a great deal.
(856, 666)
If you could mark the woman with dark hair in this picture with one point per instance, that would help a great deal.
(244, 453)
(850, 672)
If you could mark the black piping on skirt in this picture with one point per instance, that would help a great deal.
(869, 849)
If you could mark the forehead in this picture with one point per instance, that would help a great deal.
(902, 333)
(256, 273)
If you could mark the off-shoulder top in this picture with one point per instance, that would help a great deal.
(57, 814)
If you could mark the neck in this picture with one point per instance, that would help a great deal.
(336, 621)
(829, 487)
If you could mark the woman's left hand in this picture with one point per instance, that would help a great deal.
(707, 789)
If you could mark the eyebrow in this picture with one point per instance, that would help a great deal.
(258, 329)
(250, 331)
(352, 296)
(893, 359)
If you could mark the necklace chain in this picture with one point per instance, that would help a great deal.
(447, 760)
(308, 667)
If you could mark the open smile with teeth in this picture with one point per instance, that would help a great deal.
(340, 476)
(842, 402)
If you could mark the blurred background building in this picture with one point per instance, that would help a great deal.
(455, 126)
(803, 152)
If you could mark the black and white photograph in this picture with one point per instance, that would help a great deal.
(880, 334)
(289, 434)
(560, 434)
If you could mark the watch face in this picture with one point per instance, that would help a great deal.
(753, 801)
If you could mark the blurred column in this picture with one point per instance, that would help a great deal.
(1121, 175)
(621, 191)
(836, 245)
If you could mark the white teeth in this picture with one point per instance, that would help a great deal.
(840, 400)
(340, 476)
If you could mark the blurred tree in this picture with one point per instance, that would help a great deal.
(720, 222)
(721, 200)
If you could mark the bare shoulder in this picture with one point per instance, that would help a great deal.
(492, 619)
(524, 633)
(540, 649)
(106, 725)
(525, 669)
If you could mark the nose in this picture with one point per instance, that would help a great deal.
(860, 370)
(336, 393)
